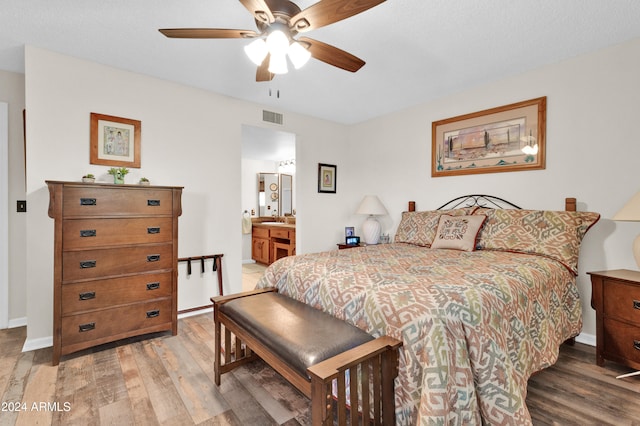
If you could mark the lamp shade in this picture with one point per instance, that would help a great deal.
(298, 55)
(257, 51)
(631, 211)
(278, 64)
(371, 205)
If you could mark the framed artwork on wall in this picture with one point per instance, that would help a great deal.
(115, 141)
(327, 178)
(503, 139)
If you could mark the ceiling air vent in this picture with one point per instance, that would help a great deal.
(272, 117)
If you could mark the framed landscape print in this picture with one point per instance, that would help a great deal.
(503, 139)
(115, 141)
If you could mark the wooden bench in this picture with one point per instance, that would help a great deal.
(310, 349)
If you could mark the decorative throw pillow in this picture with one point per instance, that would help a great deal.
(457, 232)
(554, 234)
(419, 228)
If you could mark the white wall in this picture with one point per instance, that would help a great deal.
(593, 152)
(12, 92)
(190, 138)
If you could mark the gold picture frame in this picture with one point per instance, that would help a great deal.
(503, 139)
(115, 141)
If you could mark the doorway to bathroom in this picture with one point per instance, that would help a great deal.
(271, 154)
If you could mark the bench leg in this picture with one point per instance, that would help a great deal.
(218, 342)
(375, 365)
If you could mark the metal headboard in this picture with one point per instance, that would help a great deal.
(479, 200)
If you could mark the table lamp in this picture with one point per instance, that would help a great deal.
(631, 213)
(371, 205)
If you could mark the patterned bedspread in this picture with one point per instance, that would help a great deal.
(475, 325)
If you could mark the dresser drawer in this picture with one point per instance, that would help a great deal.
(102, 263)
(118, 321)
(88, 233)
(621, 340)
(622, 301)
(96, 201)
(98, 294)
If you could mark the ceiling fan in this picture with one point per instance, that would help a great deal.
(278, 22)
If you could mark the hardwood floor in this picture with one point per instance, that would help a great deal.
(168, 380)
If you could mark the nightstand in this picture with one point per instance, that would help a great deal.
(616, 298)
(342, 246)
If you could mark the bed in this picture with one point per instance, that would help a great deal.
(480, 297)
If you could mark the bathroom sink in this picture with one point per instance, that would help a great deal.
(272, 223)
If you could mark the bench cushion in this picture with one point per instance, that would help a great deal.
(297, 333)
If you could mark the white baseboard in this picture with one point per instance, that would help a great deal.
(587, 339)
(33, 344)
(17, 322)
(194, 313)
(248, 261)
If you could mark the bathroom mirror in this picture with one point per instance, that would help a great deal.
(275, 194)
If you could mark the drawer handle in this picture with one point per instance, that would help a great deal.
(636, 304)
(153, 314)
(87, 233)
(87, 295)
(87, 264)
(153, 203)
(153, 286)
(87, 327)
(153, 258)
(636, 344)
(88, 202)
(154, 230)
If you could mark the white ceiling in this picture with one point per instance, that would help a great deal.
(416, 50)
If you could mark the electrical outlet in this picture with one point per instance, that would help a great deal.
(22, 206)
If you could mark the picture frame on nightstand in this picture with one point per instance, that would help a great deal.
(349, 231)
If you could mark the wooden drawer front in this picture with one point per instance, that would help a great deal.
(87, 233)
(621, 340)
(121, 202)
(85, 296)
(280, 233)
(260, 232)
(622, 301)
(87, 264)
(111, 322)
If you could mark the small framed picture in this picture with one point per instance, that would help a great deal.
(327, 178)
(349, 231)
(115, 141)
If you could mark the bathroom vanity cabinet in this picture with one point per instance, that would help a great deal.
(270, 242)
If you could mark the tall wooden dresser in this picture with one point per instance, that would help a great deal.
(115, 262)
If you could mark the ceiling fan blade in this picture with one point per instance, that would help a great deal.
(262, 73)
(327, 12)
(207, 33)
(332, 55)
(259, 9)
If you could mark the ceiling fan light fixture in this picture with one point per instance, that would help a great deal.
(278, 43)
(278, 64)
(298, 55)
(256, 51)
